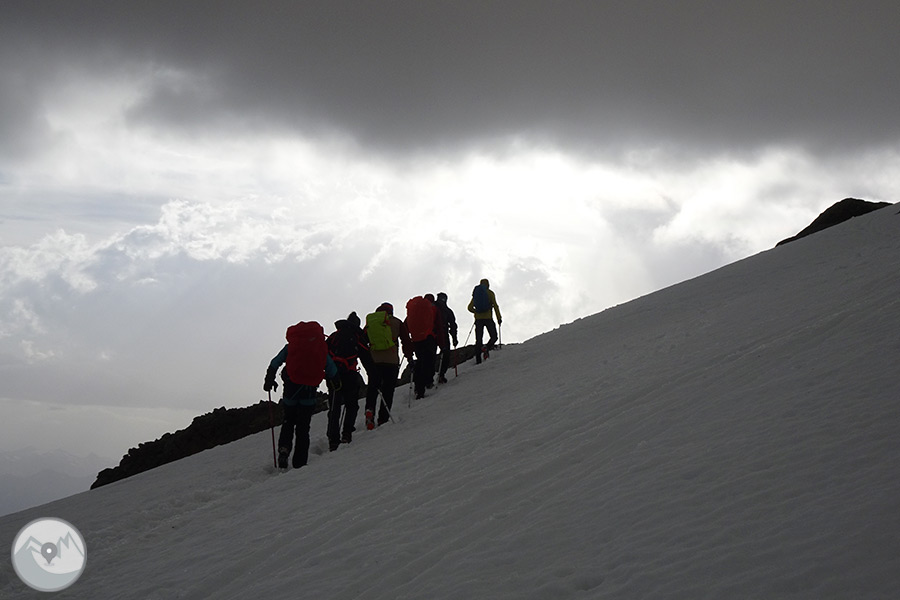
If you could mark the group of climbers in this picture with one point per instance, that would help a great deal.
(309, 357)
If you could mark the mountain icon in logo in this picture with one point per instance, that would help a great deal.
(49, 554)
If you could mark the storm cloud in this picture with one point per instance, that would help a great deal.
(415, 76)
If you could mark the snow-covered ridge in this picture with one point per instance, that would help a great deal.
(733, 436)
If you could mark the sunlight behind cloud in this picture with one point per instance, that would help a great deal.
(744, 206)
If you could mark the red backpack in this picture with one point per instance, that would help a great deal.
(420, 318)
(307, 353)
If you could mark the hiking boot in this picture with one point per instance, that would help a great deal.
(283, 454)
(370, 420)
(347, 438)
(442, 379)
(332, 446)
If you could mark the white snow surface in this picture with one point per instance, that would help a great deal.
(733, 436)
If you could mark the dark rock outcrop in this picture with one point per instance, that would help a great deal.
(842, 211)
(221, 426)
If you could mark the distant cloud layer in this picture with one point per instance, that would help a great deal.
(559, 238)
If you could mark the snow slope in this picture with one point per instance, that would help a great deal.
(733, 436)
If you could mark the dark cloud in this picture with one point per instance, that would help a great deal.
(413, 75)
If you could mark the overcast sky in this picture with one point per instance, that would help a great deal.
(180, 181)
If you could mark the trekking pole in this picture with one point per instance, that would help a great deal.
(384, 404)
(272, 423)
(499, 335)
(412, 374)
(335, 410)
(471, 329)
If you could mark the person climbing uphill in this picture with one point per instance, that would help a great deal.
(422, 322)
(445, 334)
(483, 305)
(385, 333)
(346, 349)
(307, 363)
